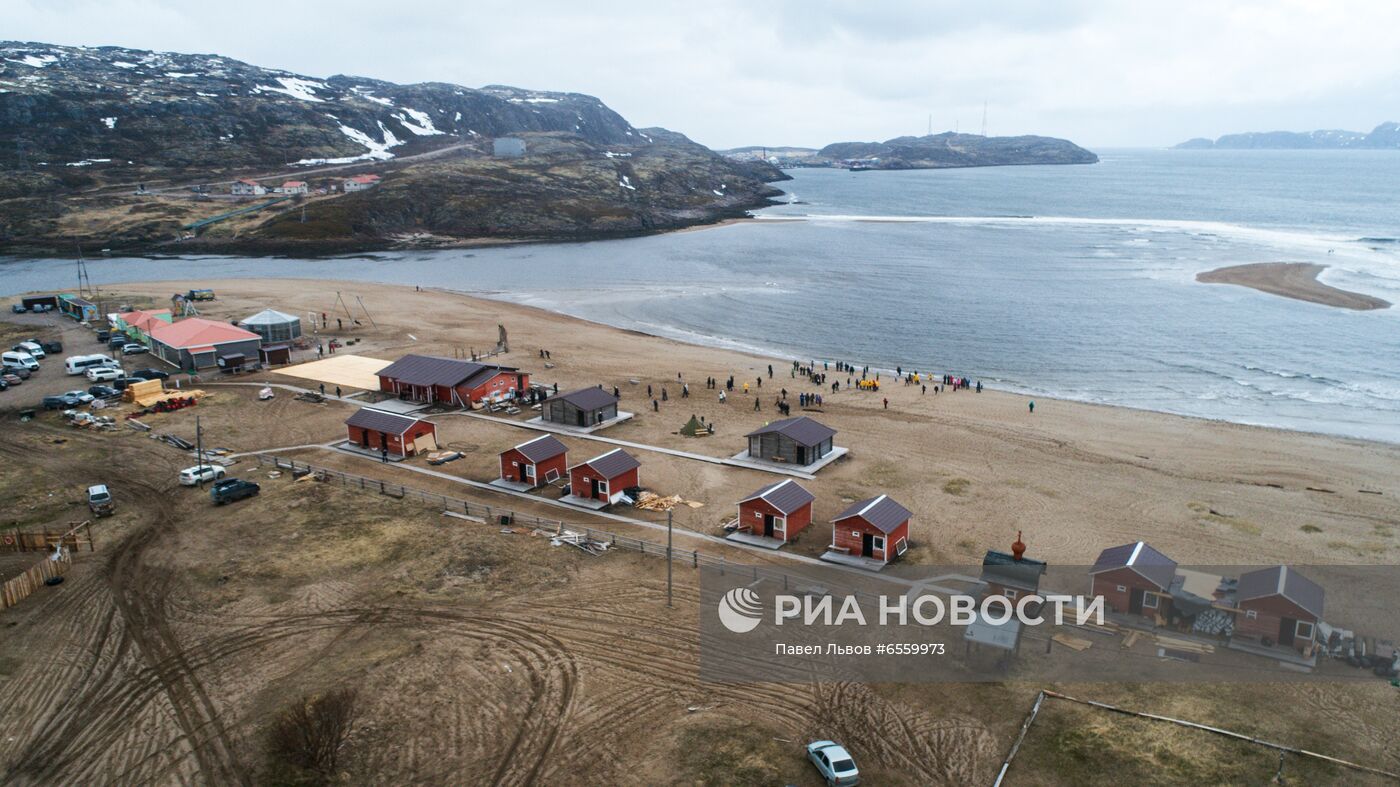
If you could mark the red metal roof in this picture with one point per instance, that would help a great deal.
(198, 332)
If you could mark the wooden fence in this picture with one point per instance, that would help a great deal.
(16, 540)
(505, 516)
(18, 588)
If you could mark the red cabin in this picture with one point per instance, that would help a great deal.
(877, 528)
(397, 435)
(604, 477)
(536, 462)
(780, 511)
(451, 381)
(1279, 605)
(1134, 579)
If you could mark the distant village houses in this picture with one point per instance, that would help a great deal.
(293, 187)
(247, 188)
(360, 183)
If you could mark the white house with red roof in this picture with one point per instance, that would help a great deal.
(196, 343)
(246, 187)
(360, 183)
(293, 187)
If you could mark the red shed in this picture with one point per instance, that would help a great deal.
(535, 462)
(780, 510)
(452, 381)
(1135, 579)
(401, 435)
(877, 528)
(604, 477)
(1280, 605)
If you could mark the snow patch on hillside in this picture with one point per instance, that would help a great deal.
(422, 125)
(300, 89)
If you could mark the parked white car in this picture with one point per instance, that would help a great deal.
(82, 396)
(206, 473)
(33, 348)
(834, 763)
(100, 374)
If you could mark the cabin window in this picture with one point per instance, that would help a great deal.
(1122, 588)
(900, 546)
(878, 542)
(1149, 601)
(1251, 613)
(1304, 630)
(530, 471)
(855, 534)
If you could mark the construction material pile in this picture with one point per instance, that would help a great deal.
(650, 501)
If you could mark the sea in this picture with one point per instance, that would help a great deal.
(1071, 282)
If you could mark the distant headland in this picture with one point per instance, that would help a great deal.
(934, 151)
(1386, 136)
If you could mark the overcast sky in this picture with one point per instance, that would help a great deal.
(808, 72)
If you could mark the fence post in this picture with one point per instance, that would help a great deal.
(695, 558)
(721, 565)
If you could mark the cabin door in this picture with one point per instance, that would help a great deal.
(768, 525)
(364, 438)
(1135, 601)
(1286, 628)
(801, 455)
(867, 545)
(520, 472)
(595, 487)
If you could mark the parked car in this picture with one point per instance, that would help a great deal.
(4, 386)
(22, 372)
(132, 348)
(18, 308)
(104, 336)
(200, 473)
(33, 348)
(151, 374)
(100, 500)
(99, 374)
(122, 383)
(231, 489)
(59, 402)
(104, 391)
(82, 397)
(10, 379)
(117, 340)
(19, 358)
(52, 347)
(834, 763)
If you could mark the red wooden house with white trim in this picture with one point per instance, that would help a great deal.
(877, 528)
(535, 462)
(1279, 605)
(451, 381)
(781, 510)
(1134, 579)
(399, 435)
(604, 477)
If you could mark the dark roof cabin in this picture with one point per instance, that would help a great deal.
(1134, 578)
(798, 441)
(1279, 605)
(877, 528)
(535, 462)
(1012, 575)
(453, 381)
(586, 407)
(781, 510)
(388, 433)
(604, 477)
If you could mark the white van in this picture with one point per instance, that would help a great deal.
(33, 348)
(20, 359)
(77, 364)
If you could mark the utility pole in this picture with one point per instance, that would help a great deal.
(199, 452)
(668, 561)
(984, 118)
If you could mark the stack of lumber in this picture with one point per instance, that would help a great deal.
(1074, 643)
(1184, 645)
(650, 501)
(583, 542)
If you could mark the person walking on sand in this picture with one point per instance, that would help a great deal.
(887, 403)
(1032, 406)
(323, 389)
(685, 390)
(756, 401)
(722, 397)
(665, 397)
(923, 389)
(337, 392)
(649, 390)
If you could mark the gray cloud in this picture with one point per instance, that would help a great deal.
(809, 72)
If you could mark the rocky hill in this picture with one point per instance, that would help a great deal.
(85, 128)
(1386, 136)
(946, 150)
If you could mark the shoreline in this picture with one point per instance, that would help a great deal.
(1295, 280)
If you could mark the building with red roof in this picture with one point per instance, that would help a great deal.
(196, 343)
(247, 187)
(360, 183)
(293, 187)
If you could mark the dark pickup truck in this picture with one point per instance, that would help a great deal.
(231, 489)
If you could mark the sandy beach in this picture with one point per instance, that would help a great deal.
(975, 468)
(1297, 280)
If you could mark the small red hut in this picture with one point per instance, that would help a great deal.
(877, 528)
(1279, 605)
(780, 510)
(535, 462)
(604, 477)
(398, 435)
(1134, 579)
